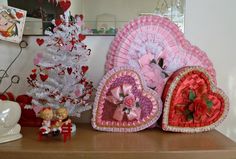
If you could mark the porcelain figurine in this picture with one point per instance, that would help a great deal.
(46, 114)
(62, 117)
(10, 113)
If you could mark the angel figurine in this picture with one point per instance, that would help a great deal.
(62, 118)
(47, 115)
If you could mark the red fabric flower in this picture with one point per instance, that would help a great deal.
(129, 101)
(198, 107)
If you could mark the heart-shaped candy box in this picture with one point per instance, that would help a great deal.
(192, 103)
(123, 103)
(155, 46)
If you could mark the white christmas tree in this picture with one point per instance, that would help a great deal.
(59, 78)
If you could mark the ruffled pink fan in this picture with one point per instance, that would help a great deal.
(155, 46)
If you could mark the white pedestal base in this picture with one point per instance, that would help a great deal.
(9, 138)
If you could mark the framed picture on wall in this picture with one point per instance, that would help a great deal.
(12, 22)
(40, 13)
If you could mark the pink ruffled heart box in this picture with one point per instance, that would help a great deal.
(155, 46)
(123, 103)
(192, 102)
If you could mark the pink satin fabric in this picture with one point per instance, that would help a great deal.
(117, 97)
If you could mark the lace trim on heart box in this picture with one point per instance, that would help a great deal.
(124, 126)
(171, 89)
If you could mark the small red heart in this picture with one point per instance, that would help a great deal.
(43, 77)
(64, 5)
(81, 37)
(19, 15)
(58, 22)
(84, 69)
(39, 41)
(34, 70)
(69, 70)
(33, 76)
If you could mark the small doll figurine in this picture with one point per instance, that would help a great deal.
(46, 114)
(62, 118)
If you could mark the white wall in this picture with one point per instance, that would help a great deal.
(4, 2)
(209, 24)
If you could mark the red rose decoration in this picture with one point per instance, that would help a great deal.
(129, 101)
(198, 108)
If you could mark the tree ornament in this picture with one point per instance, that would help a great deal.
(84, 69)
(39, 41)
(65, 5)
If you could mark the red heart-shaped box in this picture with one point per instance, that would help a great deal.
(192, 102)
(123, 103)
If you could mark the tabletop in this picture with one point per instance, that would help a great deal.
(150, 143)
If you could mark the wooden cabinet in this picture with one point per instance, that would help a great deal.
(152, 143)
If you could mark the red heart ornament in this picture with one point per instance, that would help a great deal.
(58, 22)
(19, 15)
(81, 37)
(43, 77)
(192, 102)
(40, 41)
(69, 70)
(34, 70)
(84, 69)
(65, 4)
(33, 76)
(123, 103)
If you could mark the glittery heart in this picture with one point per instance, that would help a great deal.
(69, 70)
(84, 69)
(123, 103)
(81, 37)
(39, 41)
(33, 76)
(38, 58)
(43, 77)
(192, 103)
(64, 4)
(34, 70)
(58, 22)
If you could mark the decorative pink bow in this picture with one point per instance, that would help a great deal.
(152, 72)
(126, 103)
(144, 63)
